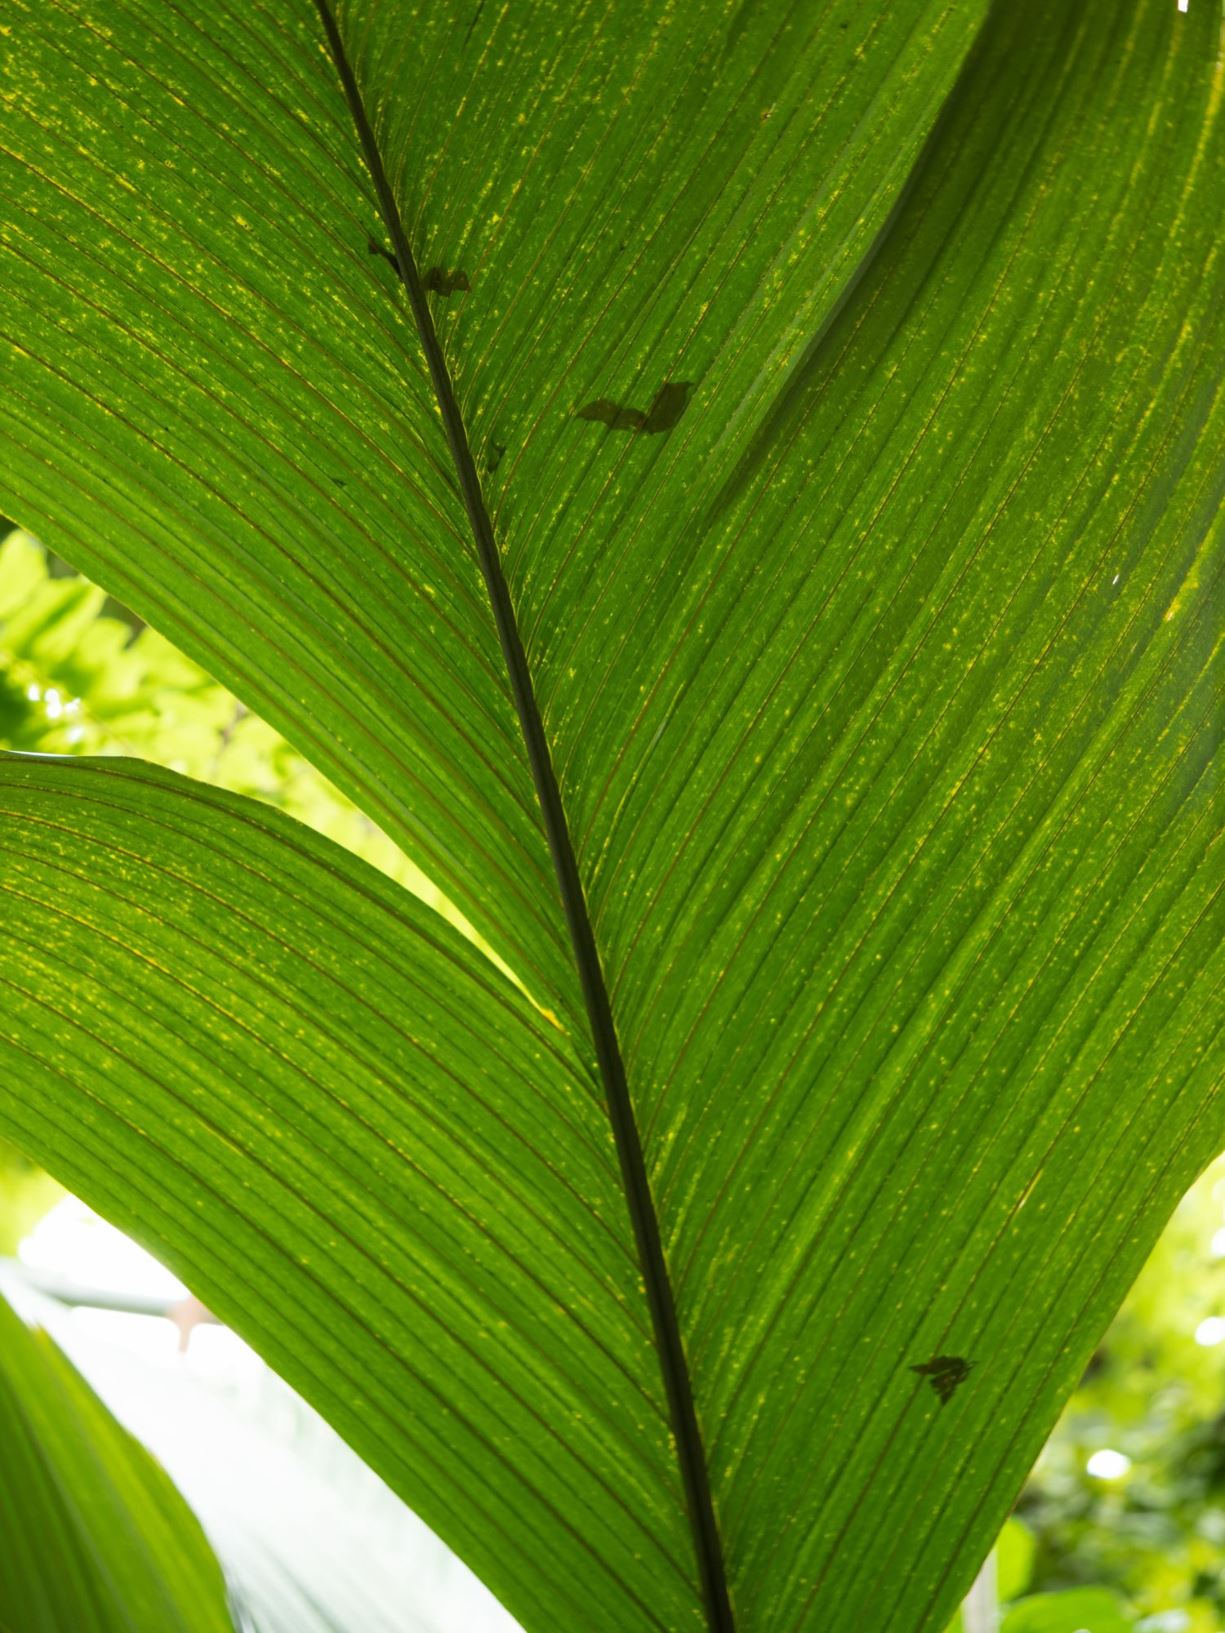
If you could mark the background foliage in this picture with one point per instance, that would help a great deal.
(1156, 1533)
(81, 675)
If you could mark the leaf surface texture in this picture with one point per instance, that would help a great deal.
(869, 620)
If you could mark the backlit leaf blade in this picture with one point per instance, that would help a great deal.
(878, 681)
(641, 196)
(914, 759)
(93, 1536)
(216, 405)
(890, 711)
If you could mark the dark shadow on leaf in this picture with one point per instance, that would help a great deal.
(375, 248)
(667, 406)
(945, 1373)
(613, 415)
(446, 283)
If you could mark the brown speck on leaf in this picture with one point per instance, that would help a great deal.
(945, 1373)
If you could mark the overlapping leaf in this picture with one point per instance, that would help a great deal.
(877, 672)
(360, 1144)
(95, 1537)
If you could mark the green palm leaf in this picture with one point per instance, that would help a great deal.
(738, 499)
(95, 1537)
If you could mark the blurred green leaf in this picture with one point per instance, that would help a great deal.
(26, 1193)
(1014, 1550)
(94, 1538)
(1085, 1610)
(1155, 1394)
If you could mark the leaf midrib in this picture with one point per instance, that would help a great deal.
(690, 1450)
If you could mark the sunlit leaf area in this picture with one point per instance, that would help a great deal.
(1121, 1525)
(612, 885)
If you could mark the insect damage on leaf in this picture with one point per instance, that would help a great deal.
(945, 1373)
(667, 406)
(446, 283)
